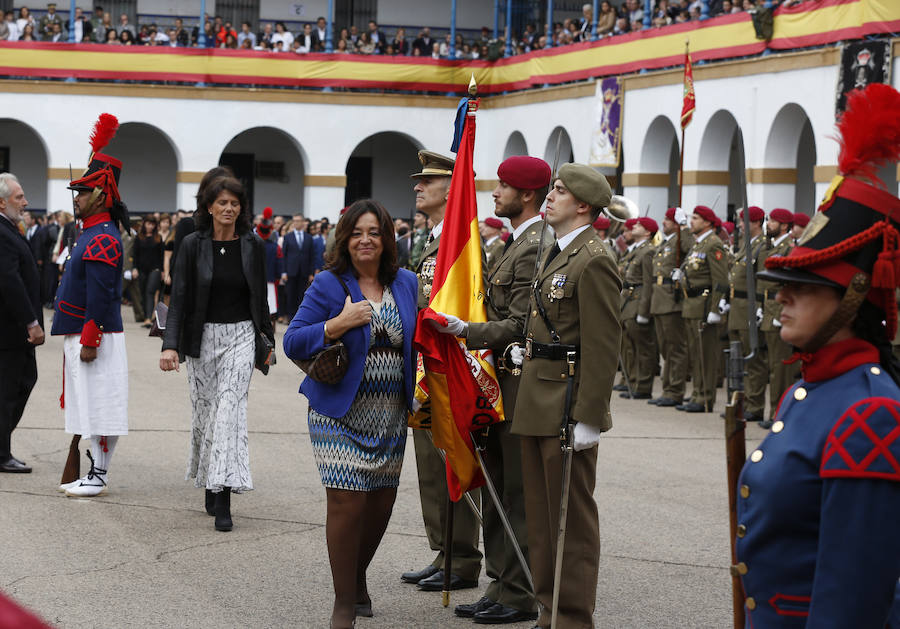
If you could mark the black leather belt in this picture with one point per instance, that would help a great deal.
(549, 351)
(628, 285)
(769, 294)
(742, 294)
(696, 292)
(660, 280)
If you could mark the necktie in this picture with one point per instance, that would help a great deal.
(430, 239)
(508, 244)
(553, 253)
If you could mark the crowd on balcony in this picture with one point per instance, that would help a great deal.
(615, 17)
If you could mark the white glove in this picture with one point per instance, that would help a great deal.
(776, 322)
(712, 318)
(517, 355)
(680, 216)
(642, 320)
(127, 275)
(455, 325)
(759, 315)
(585, 436)
(677, 275)
(724, 306)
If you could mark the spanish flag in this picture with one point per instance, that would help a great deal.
(461, 385)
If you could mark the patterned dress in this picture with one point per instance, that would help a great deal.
(363, 450)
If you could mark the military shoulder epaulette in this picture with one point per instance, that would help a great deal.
(595, 247)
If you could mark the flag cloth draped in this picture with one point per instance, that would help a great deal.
(690, 102)
(461, 385)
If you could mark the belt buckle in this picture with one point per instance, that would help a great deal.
(659, 280)
(570, 361)
(528, 353)
(732, 293)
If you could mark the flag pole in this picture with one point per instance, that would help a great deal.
(448, 552)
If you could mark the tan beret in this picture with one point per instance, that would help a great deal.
(586, 184)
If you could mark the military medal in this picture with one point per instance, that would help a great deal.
(556, 286)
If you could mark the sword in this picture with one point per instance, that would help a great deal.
(625, 375)
(700, 326)
(568, 449)
(475, 510)
(735, 456)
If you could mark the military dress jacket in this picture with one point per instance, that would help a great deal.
(636, 282)
(425, 270)
(663, 299)
(737, 283)
(705, 277)
(819, 500)
(771, 308)
(586, 314)
(492, 253)
(89, 297)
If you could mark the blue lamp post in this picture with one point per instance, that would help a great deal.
(201, 30)
(452, 51)
(329, 27)
(507, 49)
(549, 24)
(594, 18)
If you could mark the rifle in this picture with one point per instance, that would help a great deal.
(735, 456)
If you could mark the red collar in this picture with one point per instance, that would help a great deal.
(95, 219)
(835, 359)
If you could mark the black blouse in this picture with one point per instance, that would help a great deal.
(229, 294)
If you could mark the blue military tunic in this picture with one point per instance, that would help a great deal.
(89, 297)
(819, 500)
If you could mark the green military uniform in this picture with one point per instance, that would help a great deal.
(466, 560)
(492, 252)
(580, 292)
(47, 22)
(705, 283)
(419, 237)
(640, 339)
(781, 376)
(626, 353)
(665, 307)
(131, 287)
(508, 294)
(738, 327)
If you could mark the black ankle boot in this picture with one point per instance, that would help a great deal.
(210, 502)
(223, 510)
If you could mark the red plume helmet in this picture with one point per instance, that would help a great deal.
(104, 130)
(267, 213)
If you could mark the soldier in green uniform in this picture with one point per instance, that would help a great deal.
(49, 20)
(705, 275)
(572, 338)
(419, 237)
(518, 196)
(639, 335)
(781, 376)
(628, 360)
(601, 226)
(493, 245)
(433, 183)
(665, 307)
(735, 305)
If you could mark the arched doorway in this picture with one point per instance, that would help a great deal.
(22, 153)
(379, 167)
(791, 146)
(149, 167)
(565, 147)
(515, 145)
(270, 164)
(660, 156)
(721, 165)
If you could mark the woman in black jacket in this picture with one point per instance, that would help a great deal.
(217, 318)
(148, 263)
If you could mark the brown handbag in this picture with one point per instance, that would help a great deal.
(328, 366)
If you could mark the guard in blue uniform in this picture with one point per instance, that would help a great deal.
(88, 313)
(819, 500)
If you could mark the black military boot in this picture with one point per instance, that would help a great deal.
(223, 510)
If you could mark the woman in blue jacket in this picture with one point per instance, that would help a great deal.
(358, 426)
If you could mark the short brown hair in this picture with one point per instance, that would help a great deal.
(339, 258)
(211, 192)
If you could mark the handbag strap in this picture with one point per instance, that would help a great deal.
(341, 280)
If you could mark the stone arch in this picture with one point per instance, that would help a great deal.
(660, 154)
(722, 150)
(515, 145)
(272, 166)
(790, 145)
(24, 153)
(565, 147)
(379, 167)
(149, 167)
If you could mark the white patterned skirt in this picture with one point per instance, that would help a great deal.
(220, 383)
(95, 394)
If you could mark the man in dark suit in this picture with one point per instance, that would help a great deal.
(298, 263)
(423, 42)
(21, 319)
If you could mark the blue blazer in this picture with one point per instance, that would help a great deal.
(306, 335)
(297, 260)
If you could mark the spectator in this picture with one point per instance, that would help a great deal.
(98, 31)
(25, 19)
(172, 37)
(56, 34)
(50, 18)
(264, 38)
(606, 20)
(342, 47)
(223, 33)
(182, 38)
(621, 26)
(126, 38)
(143, 36)
(83, 27)
(444, 47)
(282, 35)
(376, 36)
(587, 22)
(112, 38)
(365, 45)
(634, 13)
(305, 41)
(661, 15)
(209, 34)
(148, 264)
(246, 34)
(423, 43)
(9, 30)
(320, 34)
(278, 46)
(125, 26)
(435, 50)
(231, 41)
(401, 46)
(354, 36)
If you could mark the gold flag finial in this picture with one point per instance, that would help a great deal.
(473, 87)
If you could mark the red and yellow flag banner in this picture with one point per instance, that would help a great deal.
(689, 103)
(807, 24)
(463, 394)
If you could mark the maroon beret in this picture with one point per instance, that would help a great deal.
(670, 213)
(801, 219)
(706, 214)
(756, 214)
(524, 172)
(782, 216)
(601, 223)
(630, 223)
(649, 224)
(496, 223)
(505, 236)
(729, 226)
